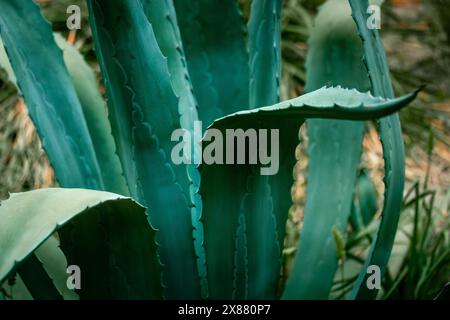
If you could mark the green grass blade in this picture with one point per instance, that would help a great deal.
(334, 149)
(97, 231)
(213, 34)
(49, 94)
(393, 151)
(126, 39)
(445, 293)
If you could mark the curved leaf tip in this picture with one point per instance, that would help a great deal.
(324, 103)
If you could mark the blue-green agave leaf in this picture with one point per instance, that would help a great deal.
(49, 93)
(37, 281)
(213, 34)
(240, 281)
(119, 108)
(95, 113)
(139, 83)
(393, 151)
(105, 234)
(221, 216)
(266, 201)
(55, 264)
(324, 103)
(161, 15)
(334, 149)
(5, 65)
(365, 202)
(94, 110)
(265, 52)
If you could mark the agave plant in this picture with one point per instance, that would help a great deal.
(139, 225)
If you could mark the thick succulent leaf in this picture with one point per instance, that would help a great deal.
(334, 148)
(55, 265)
(95, 113)
(94, 110)
(220, 215)
(265, 52)
(119, 108)
(324, 103)
(393, 152)
(5, 65)
(15, 289)
(240, 281)
(265, 203)
(365, 202)
(161, 15)
(105, 234)
(49, 93)
(139, 83)
(213, 34)
(37, 281)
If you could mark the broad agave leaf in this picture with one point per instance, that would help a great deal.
(393, 152)
(38, 282)
(4, 64)
(55, 263)
(324, 103)
(95, 113)
(145, 112)
(265, 52)
(213, 34)
(334, 149)
(105, 234)
(221, 225)
(365, 202)
(49, 93)
(264, 202)
(161, 15)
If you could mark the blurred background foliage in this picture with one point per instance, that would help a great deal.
(416, 34)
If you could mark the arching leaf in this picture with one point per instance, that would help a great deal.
(105, 234)
(49, 93)
(334, 149)
(393, 152)
(146, 113)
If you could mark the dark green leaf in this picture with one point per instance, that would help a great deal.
(105, 234)
(37, 280)
(49, 93)
(95, 113)
(393, 151)
(161, 15)
(221, 215)
(334, 149)
(139, 83)
(213, 34)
